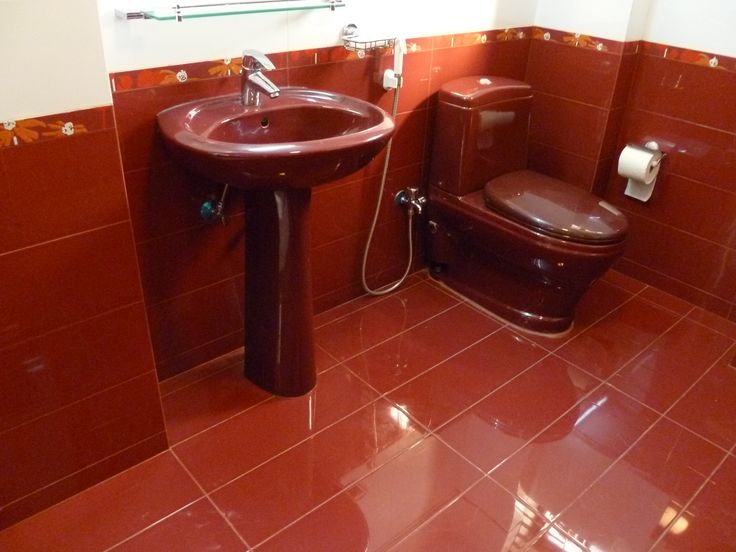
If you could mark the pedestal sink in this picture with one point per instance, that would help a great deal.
(276, 152)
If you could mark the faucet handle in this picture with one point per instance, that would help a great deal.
(258, 60)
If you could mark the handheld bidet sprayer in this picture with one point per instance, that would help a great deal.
(393, 78)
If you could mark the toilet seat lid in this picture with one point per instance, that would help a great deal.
(555, 208)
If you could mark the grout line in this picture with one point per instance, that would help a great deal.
(682, 282)
(192, 292)
(209, 498)
(154, 524)
(296, 444)
(201, 226)
(375, 469)
(376, 301)
(68, 498)
(608, 378)
(709, 326)
(81, 400)
(124, 221)
(395, 335)
(687, 504)
(204, 377)
(251, 407)
(427, 370)
(660, 417)
(69, 325)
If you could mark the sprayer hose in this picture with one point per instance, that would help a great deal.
(388, 287)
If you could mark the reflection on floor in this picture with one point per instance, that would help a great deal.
(436, 427)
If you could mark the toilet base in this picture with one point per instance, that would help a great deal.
(530, 301)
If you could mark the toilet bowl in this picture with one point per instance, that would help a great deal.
(521, 244)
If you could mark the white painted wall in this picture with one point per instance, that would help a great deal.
(704, 25)
(140, 44)
(51, 58)
(601, 18)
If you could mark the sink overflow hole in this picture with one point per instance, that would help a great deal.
(264, 122)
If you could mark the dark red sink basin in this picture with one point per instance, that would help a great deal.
(300, 139)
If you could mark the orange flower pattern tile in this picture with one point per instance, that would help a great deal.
(60, 125)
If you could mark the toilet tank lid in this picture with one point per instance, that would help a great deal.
(483, 89)
(555, 208)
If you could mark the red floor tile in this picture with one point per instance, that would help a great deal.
(623, 281)
(360, 330)
(384, 506)
(408, 354)
(561, 462)
(628, 508)
(486, 518)
(289, 486)
(708, 524)
(666, 300)
(713, 321)
(323, 360)
(616, 339)
(325, 317)
(200, 373)
(106, 514)
(708, 408)
(501, 423)
(241, 443)
(669, 366)
(196, 527)
(602, 298)
(342, 469)
(447, 389)
(209, 401)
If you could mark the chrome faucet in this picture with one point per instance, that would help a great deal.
(254, 82)
(410, 197)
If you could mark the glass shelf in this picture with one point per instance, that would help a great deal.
(180, 13)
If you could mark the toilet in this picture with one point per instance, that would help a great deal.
(521, 244)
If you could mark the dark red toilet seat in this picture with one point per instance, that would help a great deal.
(555, 208)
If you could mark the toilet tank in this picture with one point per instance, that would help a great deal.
(480, 132)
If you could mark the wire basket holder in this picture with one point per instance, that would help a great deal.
(353, 42)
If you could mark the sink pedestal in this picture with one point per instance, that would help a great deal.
(279, 335)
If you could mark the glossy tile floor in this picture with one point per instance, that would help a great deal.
(435, 427)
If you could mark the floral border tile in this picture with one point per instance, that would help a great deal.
(484, 37)
(579, 40)
(693, 57)
(59, 125)
(176, 74)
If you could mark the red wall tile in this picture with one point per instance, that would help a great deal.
(572, 168)
(567, 125)
(68, 186)
(680, 255)
(194, 319)
(66, 365)
(694, 151)
(94, 473)
(684, 238)
(75, 436)
(579, 74)
(175, 196)
(685, 91)
(66, 281)
(78, 395)
(179, 263)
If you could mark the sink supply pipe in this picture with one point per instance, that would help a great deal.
(212, 210)
(392, 79)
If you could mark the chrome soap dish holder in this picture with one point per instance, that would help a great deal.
(354, 42)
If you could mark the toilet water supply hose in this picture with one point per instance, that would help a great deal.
(388, 287)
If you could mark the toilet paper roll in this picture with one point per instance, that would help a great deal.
(641, 166)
